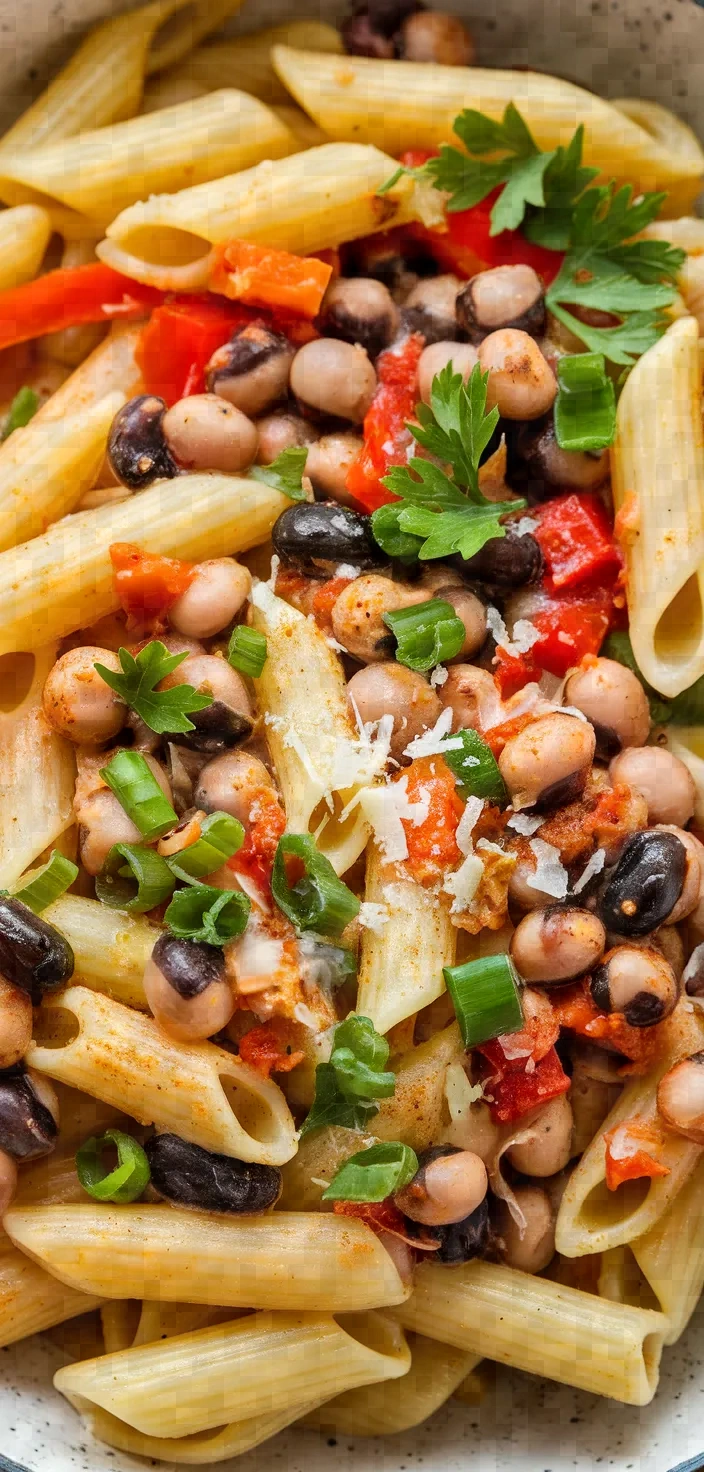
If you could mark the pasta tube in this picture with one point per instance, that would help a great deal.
(392, 1406)
(246, 61)
(119, 1320)
(24, 236)
(304, 203)
(198, 1091)
(203, 1449)
(111, 948)
(256, 1366)
(671, 134)
(417, 1111)
(401, 963)
(399, 105)
(574, 1337)
(164, 1320)
(31, 1299)
(37, 775)
(657, 465)
(62, 581)
(111, 368)
(284, 1260)
(320, 760)
(671, 1256)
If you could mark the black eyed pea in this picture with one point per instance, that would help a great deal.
(34, 956)
(327, 466)
(472, 612)
(544, 465)
(205, 432)
(76, 700)
(29, 1114)
(681, 1098)
(547, 764)
(430, 308)
(218, 590)
(436, 356)
(551, 1147)
(435, 36)
(532, 1247)
(645, 888)
(186, 986)
(230, 718)
(231, 783)
(316, 537)
(636, 981)
(521, 382)
(251, 371)
(279, 432)
(665, 782)
(557, 944)
(507, 296)
(448, 1187)
(693, 872)
(102, 820)
(137, 450)
(334, 377)
(359, 309)
(614, 700)
(469, 692)
(392, 689)
(15, 1027)
(358, 615)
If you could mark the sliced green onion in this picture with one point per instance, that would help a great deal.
(373, 1174)
(131, 779)
(427, 634)
(134, 878)
(123, 1184)
(23, 408)
(359, 1057)
(204, 913)
(387, 533)
(318, 900)
(220, 837)
(585, 407)
(46, 884)
(247, 651)
(485, 997)
(474, 766)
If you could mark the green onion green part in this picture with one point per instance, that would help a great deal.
(23, 408)
(134, 878)
(220, 837)
(126, 1182)
(46, 884)
(204, 913)
(346, 1088)
(485, 997)
(131, 779)
(247, 651)
(474, 765)
(427, 634)
(316, 899)
(373, 1174)
(585, 408)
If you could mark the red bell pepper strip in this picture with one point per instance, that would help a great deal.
(575, 1009)
(255, 859)
(576, 541)
(70, 297)
(384, 1216)
(514, 1093)
(626, 1159)
(570, 624)
(267, 1049)
(432, 846)
(263, 277)
(147, 584)
(179, 340)
(386, 439)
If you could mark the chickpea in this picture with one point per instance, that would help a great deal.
(278, 432)
(470, 609)
(681, 1098)
(636, 981)
(391, 689)
(449, 1185)
(187, 990)
(432, 35)
(551, 1148)
(430, 308)
(548, 763)
(664, 780)
(230, 717)
(334, 377)
(532, 1248)
(103, 821)
(359, 309)
(434, 358)
(252, 370)
(231, 784)
(557, 944)
(217, 592)
(358, 615)
(328, 463)
(470, 692)
(205, 432)
(693, 873)
(507, 296)
(77, 702)
(15, 1027)
(614, 700)
(521, 382)
(8, 1181)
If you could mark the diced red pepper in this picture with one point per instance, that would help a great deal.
(384, 1216)
(626, 1158)
(147, 584)
(325, 599)
(267, 1049)
(497, 736)
(179, 340)
(575, 1009)
(513, 671)
(255, 859)
(517, 1092)
(576, 541)
(386, 439)
(69, 297)
(432, 846)
(264, 277)
(570, 626)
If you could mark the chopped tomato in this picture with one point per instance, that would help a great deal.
(574, 1008)
(576, 541)
(627, 1153)
(69, 297)
(497, 736)
(179, 340)
(263, 277)
(535, 1039)
(571, 625)
(513, 671)
(325, 599)
(511, 1093)
(295, 588)
(386, 438)
(255, 859)
(266, 1049)
(432, 847)
(146, 584)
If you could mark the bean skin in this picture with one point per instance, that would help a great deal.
(548, 763)
(391, 689)
(557, 944)
(521, 382)
(76, 700)
(550, 1150)
(614, 700)
(334, 377)
(358, 615)
(664, 780)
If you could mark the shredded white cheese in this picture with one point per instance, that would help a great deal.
(437, 740)
(525, 525)
(318, 1181)
(467, 822)
(493, 848)
(373, 916)
(304, 1015)
(595, 866)
(573, 710)
(524, 825)
(438, 676)
(459, 1092)
(384, 807)
(550, 873)
(346, 570)
(525, 634)
(464, 883)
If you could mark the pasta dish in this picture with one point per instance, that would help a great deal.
(351, 705)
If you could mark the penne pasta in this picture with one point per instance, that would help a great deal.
(303, 203)
(256, 1366)
(658, 480)
(185, 28)
(574, 1337)
(392, 1406)
(672, 135)
(195, 1090)
(63, 580)
(110, 368)
(401, 963)
(321, 761)
(400, 105)
(24, 236)
(164, 1320)
(203, 1449)
(110, 947)
(284, 1260)
(417, 1112)
(671, 1256)
(38, 767)
(32, 1299)
(119, 1320)
(246, 61)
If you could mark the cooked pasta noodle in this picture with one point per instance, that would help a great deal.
(31, 1299)
(246, 61)
(24, 236)
(110, 948)
(392, 1406)
(38, 768)
(401, 963)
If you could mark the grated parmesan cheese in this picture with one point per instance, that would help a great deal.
(464, 883)
(492, 848)
(573, 710)
(438, 676)
(384, 807)
(524, 825)
(595, 866)
(525, 634)
(524, 526)
(346, 570)
(373, 916)
(303, 1014)
(550, 873)
(437, 740)
(470, 817)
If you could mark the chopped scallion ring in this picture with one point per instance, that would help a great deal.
(220, 837)
(485, 997)
(131, 779)
(247, 651)
(134, 878)
(204, 913)
(373, 1174)
(585, 408)
(46, 884)
(427, 634)
(316, 899)
(126, 1182)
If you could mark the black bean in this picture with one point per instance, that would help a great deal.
(217, 728)
(317, 536)
(33, 954)
(190, 1176)
(505, 562)
(137, 449)
(187, 965)
(460, 1241)
(27, 1128)
(646, 884)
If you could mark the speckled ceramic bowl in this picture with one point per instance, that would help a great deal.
(652, 48)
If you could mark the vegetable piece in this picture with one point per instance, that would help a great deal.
(256, 857)
(475, 768)
(285, 473)
(23, 408)
(46, 884)
(34, 955)
(618, 646)
(485, 997)
(178, 342)
(204, 913)
(373, 1174)
(574, 1008)
(126, 1182)
(627, 1157)
(246, 651)
(516, 1093)
(313, 898)
(264, 277)
(426, 634)
(265, 1049)
(570, 624)
(147, 584)
(467, 245)
(576, 541)
(432, 846)
(187, 1175)
(68, 298)
(220, 837)
(131, 779)
(386, 434)
(161, 710)
(347, 1086)
(585, 407)
(134, 878)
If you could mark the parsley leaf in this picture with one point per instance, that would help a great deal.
(164, 711)
(448, 514)
(23, 408)
(284, 474)
(346, 1088)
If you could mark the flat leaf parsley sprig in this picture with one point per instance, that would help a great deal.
(439, 514)
(164, 711)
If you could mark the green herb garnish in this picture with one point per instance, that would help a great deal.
(347, 1087)
(23, 408)
(284, 474)
(373, 1174)
(585, 407)
(126, 1182)
(204, 913)
(164, 711)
